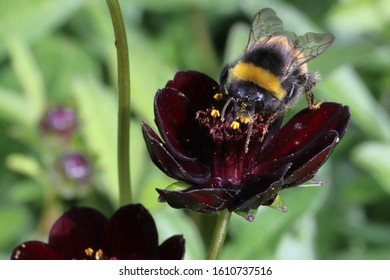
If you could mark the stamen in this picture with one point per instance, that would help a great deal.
(244, 119)
(88, 252)
(99, 254)
(218, 96)
(235, 125)
(215, 113)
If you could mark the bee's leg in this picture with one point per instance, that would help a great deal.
(225, 108)
(310, 81)
(311, 100)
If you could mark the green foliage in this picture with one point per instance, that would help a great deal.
(62, 53)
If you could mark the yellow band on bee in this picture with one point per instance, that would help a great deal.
(249, 72)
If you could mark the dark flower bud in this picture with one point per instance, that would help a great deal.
(60, 120)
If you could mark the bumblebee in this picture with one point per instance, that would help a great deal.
(268, 78)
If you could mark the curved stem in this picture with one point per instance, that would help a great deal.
(123, 151)
(220, 232)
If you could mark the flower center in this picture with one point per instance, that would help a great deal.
(225, 125)
(232, 139)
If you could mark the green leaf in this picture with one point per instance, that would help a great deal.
(29, 76)
(98, 115)
(236, 41)
(374, 158)
(14, 108)
(32, 20)
(259, 239)
(170, 222)
(15, 221)
(151, 178)
(298, 244)
(148, 73)
(373, 16)
(25, 191)
(178, 5)
(343, 85)
(61, 60)
(137, 156)
(293, 18)
(24, 164)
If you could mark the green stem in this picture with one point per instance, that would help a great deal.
(220, 232)
(123, 152)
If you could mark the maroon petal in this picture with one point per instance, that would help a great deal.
(306, 126)
(77, 230)
(310, 159)
(35, 250)
(175, 119)
(188, 171)
(131, 234)
(199, 88)
(206, 200)
(172, 249)
(258, 189)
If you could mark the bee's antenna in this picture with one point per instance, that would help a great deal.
(225, 108)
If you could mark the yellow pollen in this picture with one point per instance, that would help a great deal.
(99, 254)
(235, 125)
(218, 96)
(88, 252)
(317, 105)
(244, 119)
(215, 113)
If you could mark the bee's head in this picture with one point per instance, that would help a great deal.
(255, 97)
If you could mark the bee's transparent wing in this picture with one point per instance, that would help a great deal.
(311, 45)
(303, 48)
(265, 23)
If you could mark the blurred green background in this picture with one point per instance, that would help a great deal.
(61, 53)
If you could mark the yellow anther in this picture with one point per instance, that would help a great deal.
(235, 125)
(88, 252)
(99, 254)
(218, 96)
(244, 119)
(215, 113)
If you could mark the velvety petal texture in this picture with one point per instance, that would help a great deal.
(228, 164)
(78, 229)
(84, 233)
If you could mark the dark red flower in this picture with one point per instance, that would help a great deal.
(213, 156)
(84, 233)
